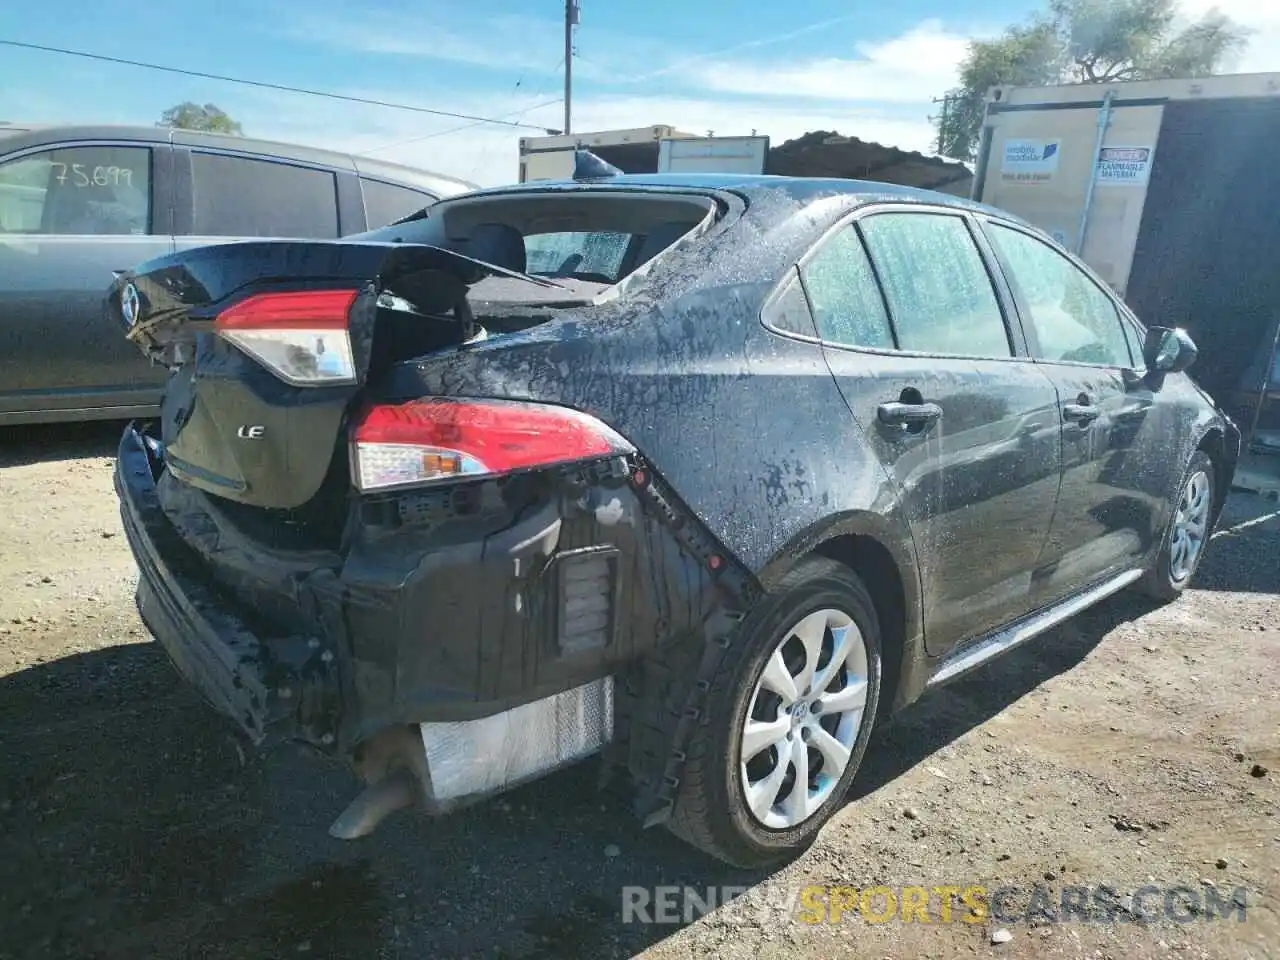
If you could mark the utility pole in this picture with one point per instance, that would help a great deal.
(570, 21)
(941, 121)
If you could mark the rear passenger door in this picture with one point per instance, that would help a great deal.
(1109, 511)
(915, 332)
(236, 197)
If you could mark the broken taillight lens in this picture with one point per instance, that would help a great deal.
(300, 336)
(439, 439)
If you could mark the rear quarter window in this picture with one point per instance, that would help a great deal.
(847, 307)
(386, 203)
(788, 311)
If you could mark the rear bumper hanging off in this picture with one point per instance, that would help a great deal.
(447, 666)
(280, 688)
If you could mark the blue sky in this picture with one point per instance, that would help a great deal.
(863, 69)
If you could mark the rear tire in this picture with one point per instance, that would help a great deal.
(799, 690)
(1183, 545)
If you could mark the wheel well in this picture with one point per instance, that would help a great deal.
(875, 565)
(1214, 446)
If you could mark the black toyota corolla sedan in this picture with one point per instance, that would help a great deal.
(706, 474)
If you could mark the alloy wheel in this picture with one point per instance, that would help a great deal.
(803, 719)
(1190, 524)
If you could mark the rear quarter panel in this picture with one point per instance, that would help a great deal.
(747, 426)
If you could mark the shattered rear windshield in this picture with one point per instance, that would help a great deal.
(584, 239)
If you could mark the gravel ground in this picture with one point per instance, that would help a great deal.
(1131, 746)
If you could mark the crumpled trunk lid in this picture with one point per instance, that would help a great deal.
(230, 425)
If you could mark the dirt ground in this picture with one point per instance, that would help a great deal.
(1133, 746)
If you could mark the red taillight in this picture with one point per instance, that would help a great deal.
(301, 336)
(438, 439)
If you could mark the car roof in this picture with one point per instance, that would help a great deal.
(801, 189)
(22, 136)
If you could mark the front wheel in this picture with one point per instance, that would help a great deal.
(787, 720)
(1185, 540)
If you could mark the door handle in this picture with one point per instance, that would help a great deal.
(1081, 413)
(909, 414)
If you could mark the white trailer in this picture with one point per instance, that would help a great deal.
(1170, 190)
(657, 149)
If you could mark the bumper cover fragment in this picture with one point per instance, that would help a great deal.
(282, 690)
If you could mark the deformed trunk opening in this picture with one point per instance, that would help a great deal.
(275, 344)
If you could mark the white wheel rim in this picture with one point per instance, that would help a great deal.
(803, 719)
(1190, 523)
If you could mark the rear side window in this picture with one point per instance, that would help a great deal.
(789, 310)
(386, 203)
(1074, 320)
(937, 285)
(239, 197)
(77, 191)
(846, 302)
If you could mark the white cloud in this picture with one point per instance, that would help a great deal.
(509, 45)
(1243, 11)
(910, 68)
(881, 94)
(903, 68)
(679, 65)
(505, 43)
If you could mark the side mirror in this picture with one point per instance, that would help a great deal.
(1168, 351)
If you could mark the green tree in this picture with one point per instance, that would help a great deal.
(1083, 41)
(192, 116)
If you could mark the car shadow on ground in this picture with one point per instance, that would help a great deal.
(133, 824)
(47, 443)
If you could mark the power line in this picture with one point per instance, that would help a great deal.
(521, 112)
(268, 86)
(466, 126)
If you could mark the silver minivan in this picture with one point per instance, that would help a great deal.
(78, 204)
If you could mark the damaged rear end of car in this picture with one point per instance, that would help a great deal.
(442, 589)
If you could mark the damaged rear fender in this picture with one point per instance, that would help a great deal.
(683, 596)
(879, 548)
